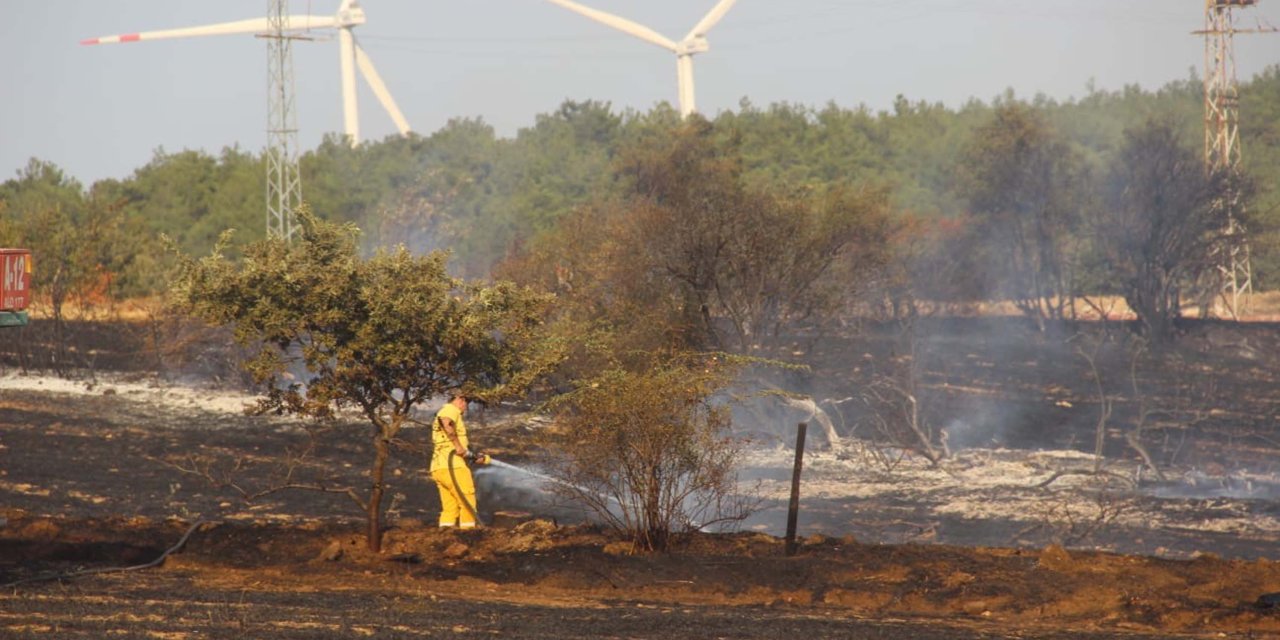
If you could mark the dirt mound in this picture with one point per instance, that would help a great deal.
(538, 561)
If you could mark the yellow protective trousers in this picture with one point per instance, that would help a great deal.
(453, 512)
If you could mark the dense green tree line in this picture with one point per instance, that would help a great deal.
(962, 177)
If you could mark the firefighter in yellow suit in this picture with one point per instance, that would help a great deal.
(450, 472)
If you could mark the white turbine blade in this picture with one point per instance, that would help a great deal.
(717, 12)
(621, 24)
(254, 25)
(380, 90)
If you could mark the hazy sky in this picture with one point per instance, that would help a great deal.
(103, 111)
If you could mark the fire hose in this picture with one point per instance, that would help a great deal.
(472, 459)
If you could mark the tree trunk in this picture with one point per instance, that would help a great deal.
(57, 297)
(653, 508)
(381, 452)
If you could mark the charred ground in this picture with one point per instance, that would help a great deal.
(103, 479)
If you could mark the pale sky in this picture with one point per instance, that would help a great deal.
(102, 111)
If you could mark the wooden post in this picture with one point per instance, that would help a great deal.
(793, 510)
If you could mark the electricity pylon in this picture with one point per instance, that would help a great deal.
(281, 28)
(1222, 145)
(284, 184)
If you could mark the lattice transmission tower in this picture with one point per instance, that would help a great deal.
(284, 184)
(1222, 144)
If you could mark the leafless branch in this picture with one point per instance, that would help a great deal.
(84, 572)
(893, 408)
(1069, 524)
(1104, 314)
(228, 477)
(1104, 403)
(1134, 436)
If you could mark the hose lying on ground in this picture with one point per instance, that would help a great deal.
(85, 572)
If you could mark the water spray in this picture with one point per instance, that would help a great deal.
(549, 479)
(504, 465)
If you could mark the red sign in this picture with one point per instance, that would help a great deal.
(15, 279)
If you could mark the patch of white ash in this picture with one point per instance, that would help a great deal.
(998, 484)
(144, 389)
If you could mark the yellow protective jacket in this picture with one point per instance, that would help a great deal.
(440, 443)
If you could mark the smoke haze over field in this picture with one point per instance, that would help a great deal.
(100, 112)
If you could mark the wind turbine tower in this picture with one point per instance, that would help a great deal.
(693, 43)
(284, 184)
(1222, 141)
(284, 190)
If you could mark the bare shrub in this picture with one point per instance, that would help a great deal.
(1090, 349)
(180, 346)
(894, 404)
(729, 265)
(649, 453)
(1161, 224)
(251, 479)
(1075, 516)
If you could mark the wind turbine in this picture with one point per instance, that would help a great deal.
(693, 43)
(350, 14)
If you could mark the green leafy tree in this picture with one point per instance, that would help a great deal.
(922, 143)
(358, 184)
(380, 335)
(488, 197)
(192, 197)
(1260, 148)
(449, 199)
(86, 250)
(564, 160)
(1095, 123)
(47, 206)
(483, 197)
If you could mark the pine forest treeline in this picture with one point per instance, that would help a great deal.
(1026, 200)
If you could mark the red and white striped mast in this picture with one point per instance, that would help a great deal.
(1222, 143)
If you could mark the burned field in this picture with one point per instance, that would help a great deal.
(1019, 532)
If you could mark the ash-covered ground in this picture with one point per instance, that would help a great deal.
(976, 496)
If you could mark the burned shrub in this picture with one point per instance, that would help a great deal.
(649, 453)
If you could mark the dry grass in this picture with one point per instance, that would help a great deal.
(131, 310)
(1258, 307)
(1263, 306)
